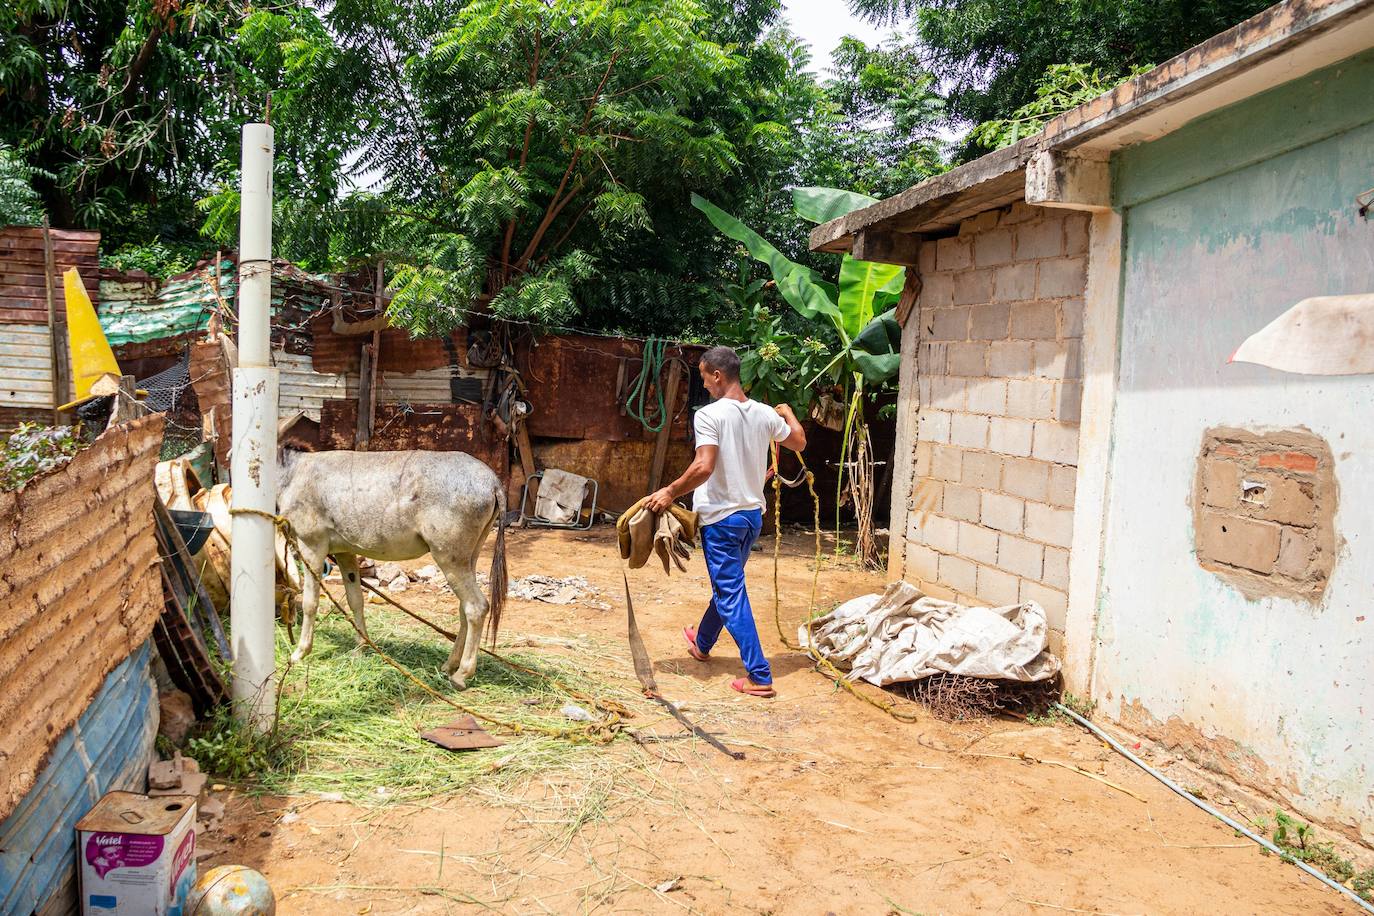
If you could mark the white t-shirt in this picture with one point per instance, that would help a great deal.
(742, 431)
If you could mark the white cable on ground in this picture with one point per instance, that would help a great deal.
(1234, 825)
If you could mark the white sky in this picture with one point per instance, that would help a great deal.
(822, 23)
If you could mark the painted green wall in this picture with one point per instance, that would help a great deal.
(1228, 222)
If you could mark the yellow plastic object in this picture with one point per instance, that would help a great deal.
(92, 358)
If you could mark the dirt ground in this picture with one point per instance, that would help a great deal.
(836, 809)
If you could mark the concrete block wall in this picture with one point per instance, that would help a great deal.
(998, 377)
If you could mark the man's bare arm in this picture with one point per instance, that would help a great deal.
(696, 474)
(796, 439)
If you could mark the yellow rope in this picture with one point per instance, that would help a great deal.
(823, 664)
(600, 732)
(608, 706)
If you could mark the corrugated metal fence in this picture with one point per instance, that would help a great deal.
(80, 593)
(108, 748)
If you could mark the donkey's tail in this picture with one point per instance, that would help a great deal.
(498, 577)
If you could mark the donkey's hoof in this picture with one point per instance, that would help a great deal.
(458, 681)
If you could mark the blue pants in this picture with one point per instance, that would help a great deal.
(726, 546)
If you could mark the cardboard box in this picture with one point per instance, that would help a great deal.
(137, 854)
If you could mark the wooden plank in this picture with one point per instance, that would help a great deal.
(88, 247)
(59, 389)
(666, 432)
(29, 315)
(12, 274)
(183, 565)
(36, 232)
(25, 291)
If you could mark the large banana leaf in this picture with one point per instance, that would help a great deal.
(821, 205)
(875, 348)
(799, 285)
(860, 283)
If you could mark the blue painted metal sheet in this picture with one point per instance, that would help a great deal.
(109, 748)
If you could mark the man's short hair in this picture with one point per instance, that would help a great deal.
(722, 359)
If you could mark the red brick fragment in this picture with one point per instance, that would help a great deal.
(1293, 461)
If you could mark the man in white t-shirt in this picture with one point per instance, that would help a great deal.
(734, 435)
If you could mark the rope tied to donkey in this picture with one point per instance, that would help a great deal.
(602, 732)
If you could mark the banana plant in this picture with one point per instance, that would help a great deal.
(861, 309)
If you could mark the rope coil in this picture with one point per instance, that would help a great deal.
(823, 664)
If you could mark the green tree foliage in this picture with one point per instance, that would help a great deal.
(124, 102)
(857, 309)
(876, 127)
(531, 157)
(20, 204)
(995, 53)
(1063, 88)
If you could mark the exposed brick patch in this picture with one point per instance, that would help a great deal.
(1263, 511)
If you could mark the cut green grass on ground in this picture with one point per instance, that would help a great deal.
(350, 723)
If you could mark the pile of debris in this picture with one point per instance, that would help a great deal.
(182, 776)
(552, 590)
(395, 578)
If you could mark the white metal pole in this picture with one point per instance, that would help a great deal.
(253, 461)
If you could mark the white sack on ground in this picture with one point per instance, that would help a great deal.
(905, 635)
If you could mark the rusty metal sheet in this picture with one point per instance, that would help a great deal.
(165, 348)
(185, 303)
(211, 382)
(399, 352)
(81, 592)
(574, 382)
(23, 290)
(462, 734)
(425, 427)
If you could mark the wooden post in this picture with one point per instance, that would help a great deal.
(620, 386)
(127, 406)
(367, 372)
(213, 331)
(57, 330)
(665, 434)
(365, 377)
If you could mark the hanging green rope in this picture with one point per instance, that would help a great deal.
(649, 373)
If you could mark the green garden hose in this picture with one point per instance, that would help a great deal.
(654, 349)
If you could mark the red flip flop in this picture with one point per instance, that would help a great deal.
(749, 688)
(690, 635)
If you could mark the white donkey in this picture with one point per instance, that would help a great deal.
(398, 506)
